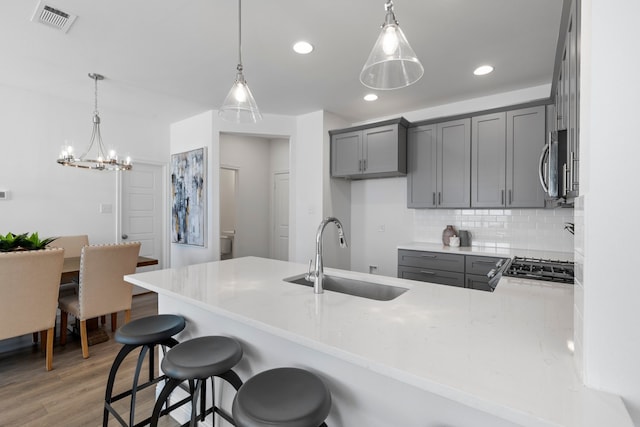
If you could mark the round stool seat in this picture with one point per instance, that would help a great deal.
(202, 357)
(283, 397)
(152, 329)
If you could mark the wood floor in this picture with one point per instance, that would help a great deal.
(72, 394)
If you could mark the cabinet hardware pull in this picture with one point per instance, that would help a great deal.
(360, 165)
(434, 198)
(364, 165)
(439, 198)
(502, 197)
(510, 198)
(428, 256)
(427, 272)
(484, 262)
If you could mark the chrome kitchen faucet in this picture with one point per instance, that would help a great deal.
(317, 276)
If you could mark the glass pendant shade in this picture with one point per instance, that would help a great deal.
(392, 63)
(239, 106)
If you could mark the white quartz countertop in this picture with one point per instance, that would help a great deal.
(487, 251)
(506, 353)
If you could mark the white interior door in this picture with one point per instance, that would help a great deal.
(281, 216)
(141, 211)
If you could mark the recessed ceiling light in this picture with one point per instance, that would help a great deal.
(482, 70)
(303, 48)
(370, 97)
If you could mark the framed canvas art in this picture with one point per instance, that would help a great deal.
(189, 197)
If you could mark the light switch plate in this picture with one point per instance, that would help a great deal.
(4, 195)
(105, 208)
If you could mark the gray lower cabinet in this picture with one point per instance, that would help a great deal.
(468, 271)
(439, 159)
(370, 152)
(505, 148)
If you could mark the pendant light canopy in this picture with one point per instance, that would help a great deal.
(392, 64)
(96, 157)
(239, 106)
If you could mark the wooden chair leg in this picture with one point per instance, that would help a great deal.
(35, 337)
(114, 321)
(63, 327)
(43, 340)
(103, 320)
(127, 316)
(49, 354)
(84, 340)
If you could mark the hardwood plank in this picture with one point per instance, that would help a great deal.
(72, 394)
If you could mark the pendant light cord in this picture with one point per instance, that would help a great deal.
(240, 35)
(95, 98)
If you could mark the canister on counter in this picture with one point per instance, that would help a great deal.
(465, 237)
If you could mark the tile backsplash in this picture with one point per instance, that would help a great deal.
(541, 229)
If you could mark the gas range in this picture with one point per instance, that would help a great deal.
(540, 269)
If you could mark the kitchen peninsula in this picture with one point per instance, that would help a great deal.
(434, 356)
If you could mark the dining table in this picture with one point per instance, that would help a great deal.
(71, 273)
(71, 267)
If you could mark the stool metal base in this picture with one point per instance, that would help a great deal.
(109, 398)
(197, 388)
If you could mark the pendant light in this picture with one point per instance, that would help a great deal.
(392, 64)
(96, 157)
(239, 106)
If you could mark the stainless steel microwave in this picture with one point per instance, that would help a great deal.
(553, 166)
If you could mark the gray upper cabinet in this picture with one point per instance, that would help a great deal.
(373, 151)
(454, 164)
(526, 136)
(439, 165)
(505, 149)
(422, 167)
(489, 161)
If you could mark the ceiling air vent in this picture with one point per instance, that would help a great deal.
(50, 15)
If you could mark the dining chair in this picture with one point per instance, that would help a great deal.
(29, 294)
(72, 249)
(102, 289)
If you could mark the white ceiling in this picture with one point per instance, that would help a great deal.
(176, 58)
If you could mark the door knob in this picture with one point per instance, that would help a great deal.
(125, 237)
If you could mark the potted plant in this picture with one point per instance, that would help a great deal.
(23, 242)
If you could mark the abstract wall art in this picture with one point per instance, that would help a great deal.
(188, 197)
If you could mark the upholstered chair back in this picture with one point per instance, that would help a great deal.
(29, 282)
(72, 244)
(102, 287)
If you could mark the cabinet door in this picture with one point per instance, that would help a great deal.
(526, 133)
(421, 167)
(572, 127)
(346, 154)
(488, 161)
(381, 150)
(454, 164)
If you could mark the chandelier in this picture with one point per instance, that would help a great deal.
(96, 157)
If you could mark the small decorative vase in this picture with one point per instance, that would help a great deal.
(447, 233)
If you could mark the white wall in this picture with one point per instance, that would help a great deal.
(250, 156)
(56, 200)
(609, 179)
(309, 166)
(336, 195)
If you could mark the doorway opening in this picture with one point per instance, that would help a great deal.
(254, 196)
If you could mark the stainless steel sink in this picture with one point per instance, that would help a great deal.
(358, 288)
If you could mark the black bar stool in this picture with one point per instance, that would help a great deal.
(282, 397)
(195, 361)
(146, 333)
